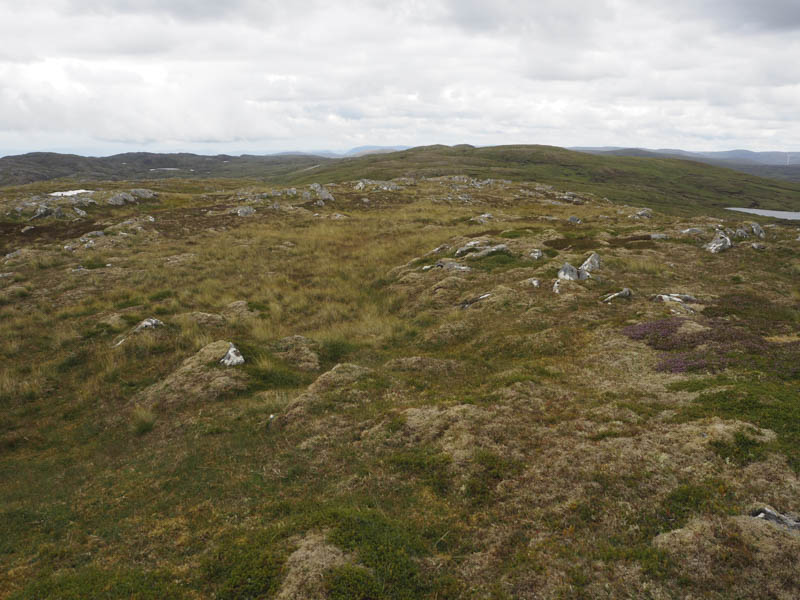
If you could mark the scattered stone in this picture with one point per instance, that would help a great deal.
(472, 246)
(245, 211)
(121, 199)
(533, 282)
(720, 243)
(575, 220)
(536, 254)
(476, 299)
(27, 229)
(659, 236)
(79, 212)
(741, 233)
(757, 231)
(338, 216)
(451, 265)
(590, 264)
(757, 246)
(557, 286)
(93, 234)
(624, 293)
(679, 298)
(768, 513)
(645, 213)
(482, 219)
(143, 194)
(692, 231)
(570, 273)
(499, 249)
(232, 357)
(149, 323)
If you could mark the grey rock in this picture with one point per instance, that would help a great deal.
(591, 264)
(42, 211)
(570, 273)
(692, 231)
(645, 213)
(533, 282)
(757, 246)
(79, 212)
(720, 243)
(27, 228)
(757, 231)
(659, 236)
(143, 194)
(232, 357)
(149, 323)
(472, 246)
(499, 249)
(574, 220)
(624, 293)
(483, 219)
(679, 298)
(768, 513)
(476, 299)
(245, 211)
(557, 286)
(536, 254)
(121, 199)
(741, 233)
(451, 265)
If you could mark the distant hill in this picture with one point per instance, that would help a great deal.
(671, 184)
(43, 166)
(776, 165)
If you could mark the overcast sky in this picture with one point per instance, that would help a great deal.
(209, 76)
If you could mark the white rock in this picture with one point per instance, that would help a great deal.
(232, 357)
(533, 282)
(245, 211)
(625, 293)
(557, 286)
(679, 298)
(150, 323)
(499, 249)
(692, 231)
(757, 231)
(720, 243)
(591, 264)
(536, 254)
(570, 273)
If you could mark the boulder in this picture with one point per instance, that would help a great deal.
(692, 231)
(232, 357)
(679, 298)
(574, 220)
(469, 247)
(768, 513)
(757, 231)
(645, 213)
(150, 323)
(121, 199)
(591, 264)
(720, 243)
(570, 273)
(143, 194)
(244, 211)
(536, 254)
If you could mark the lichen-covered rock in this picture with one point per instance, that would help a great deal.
(570, 273)
(757, 230)
(121, 199)
(590, 264)
(720, 243)
(143, 194)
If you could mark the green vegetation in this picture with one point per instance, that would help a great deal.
(402, 427)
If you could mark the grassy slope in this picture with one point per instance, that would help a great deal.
(547, 465)
(670, 185)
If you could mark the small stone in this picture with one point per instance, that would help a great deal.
(143, 194)
(692, 231)
(757, 246)
(245, 211)
(645, 213)
(624, 293)
(149, 323)
(575, 220)
(79, 212)
(757, 231)
(533, 282)
(232, 357)
(471, 301)
(27, 229)
(659, 236)
(536, 254)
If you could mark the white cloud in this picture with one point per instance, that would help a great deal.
(259, 76)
